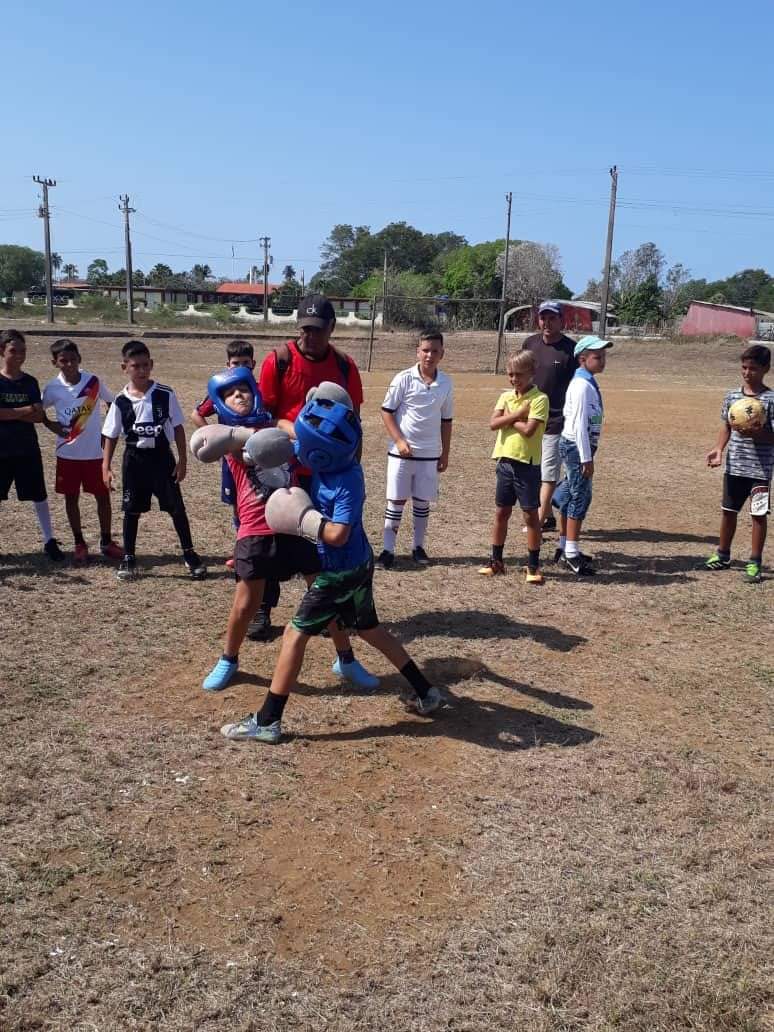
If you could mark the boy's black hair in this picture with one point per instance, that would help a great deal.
(431, 335)
(11, 337)
(64, 344)
(132, 348)
(239, 349)
(757, 353)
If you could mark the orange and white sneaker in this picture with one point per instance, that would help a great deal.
(534, 576)
(494, 568)
(111, 551)
(81, 552)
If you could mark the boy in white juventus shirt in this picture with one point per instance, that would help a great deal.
(417, 413)
(148, 415)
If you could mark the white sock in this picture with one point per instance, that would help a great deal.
(562, 542)
(571, 549)
(392, 517)
(421, 514)
(44, 520)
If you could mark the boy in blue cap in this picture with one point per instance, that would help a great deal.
(328, 437)
(583, 417)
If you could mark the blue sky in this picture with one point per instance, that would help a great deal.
(227, 124)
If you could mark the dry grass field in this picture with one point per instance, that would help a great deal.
(579, 841)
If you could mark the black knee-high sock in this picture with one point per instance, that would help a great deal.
(272, 709)
(416, 678)
(131, 523)
(183, 528)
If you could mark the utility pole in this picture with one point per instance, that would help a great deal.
(44, 214)
(265, 243)
(608, 252)
(501, 324)
(384, 294)
(124, 207)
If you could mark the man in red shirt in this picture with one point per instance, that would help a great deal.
(286, 376)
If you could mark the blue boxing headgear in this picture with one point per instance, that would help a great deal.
(328, 435)
(229, 378)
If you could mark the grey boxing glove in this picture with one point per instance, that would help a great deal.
(291, 511)
(329, 391)
(210, 443)
(268, 448)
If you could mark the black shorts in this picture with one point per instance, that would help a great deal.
(274, 557)
(517, 482)
(343, 595)
(149, 475)
(26, 472)
(736, 491)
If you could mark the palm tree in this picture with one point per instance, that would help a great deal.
(70, 271)
(56, 262)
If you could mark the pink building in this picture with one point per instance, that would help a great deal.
(703, 317)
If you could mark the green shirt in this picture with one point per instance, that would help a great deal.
(510, 444)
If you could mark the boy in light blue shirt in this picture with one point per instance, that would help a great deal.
(328, 437)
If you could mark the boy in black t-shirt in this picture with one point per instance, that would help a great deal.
(21, 463)
(148, 415)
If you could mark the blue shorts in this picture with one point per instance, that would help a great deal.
(227, 485)
(573, 494)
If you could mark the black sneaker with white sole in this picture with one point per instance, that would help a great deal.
(386, 560)
(53, 551)
(194, 565)
(420, 556)
(579, 564)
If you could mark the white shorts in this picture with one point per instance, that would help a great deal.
(412, 478)
(550, 463)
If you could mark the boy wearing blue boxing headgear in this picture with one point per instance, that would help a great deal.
(328, 436)
(239, 355)
(258, 462)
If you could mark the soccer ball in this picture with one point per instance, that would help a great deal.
(746, 414)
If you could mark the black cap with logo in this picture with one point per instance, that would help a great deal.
(315, 310)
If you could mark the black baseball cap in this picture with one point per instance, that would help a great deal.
(315, 310)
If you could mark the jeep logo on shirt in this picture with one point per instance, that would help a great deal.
(147, 433)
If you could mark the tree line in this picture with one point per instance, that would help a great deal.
(643, 288)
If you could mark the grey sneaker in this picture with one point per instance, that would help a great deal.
(127, 571)
(249, 730)
(424, 707)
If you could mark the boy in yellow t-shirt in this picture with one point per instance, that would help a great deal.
(520, 420)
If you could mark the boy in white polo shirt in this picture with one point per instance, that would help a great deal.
(75, 396)
(417, 413)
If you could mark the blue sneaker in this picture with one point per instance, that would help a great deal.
(248, 730)
(220, 675)
(356, 674)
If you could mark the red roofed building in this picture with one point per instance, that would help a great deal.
(246, 289)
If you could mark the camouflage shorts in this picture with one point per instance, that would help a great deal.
(343, 595)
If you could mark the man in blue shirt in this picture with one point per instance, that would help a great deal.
(328, 437)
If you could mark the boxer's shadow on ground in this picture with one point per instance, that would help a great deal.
(492, 725)
(482, 624)
(620, 568)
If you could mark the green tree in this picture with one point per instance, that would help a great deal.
(20, 268)
(70, 271)
(97, 272)
(200, 273)
(160, 275)
(471, 270)
(56, 262)
(642, 304)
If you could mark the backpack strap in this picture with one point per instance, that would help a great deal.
(283, 357)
